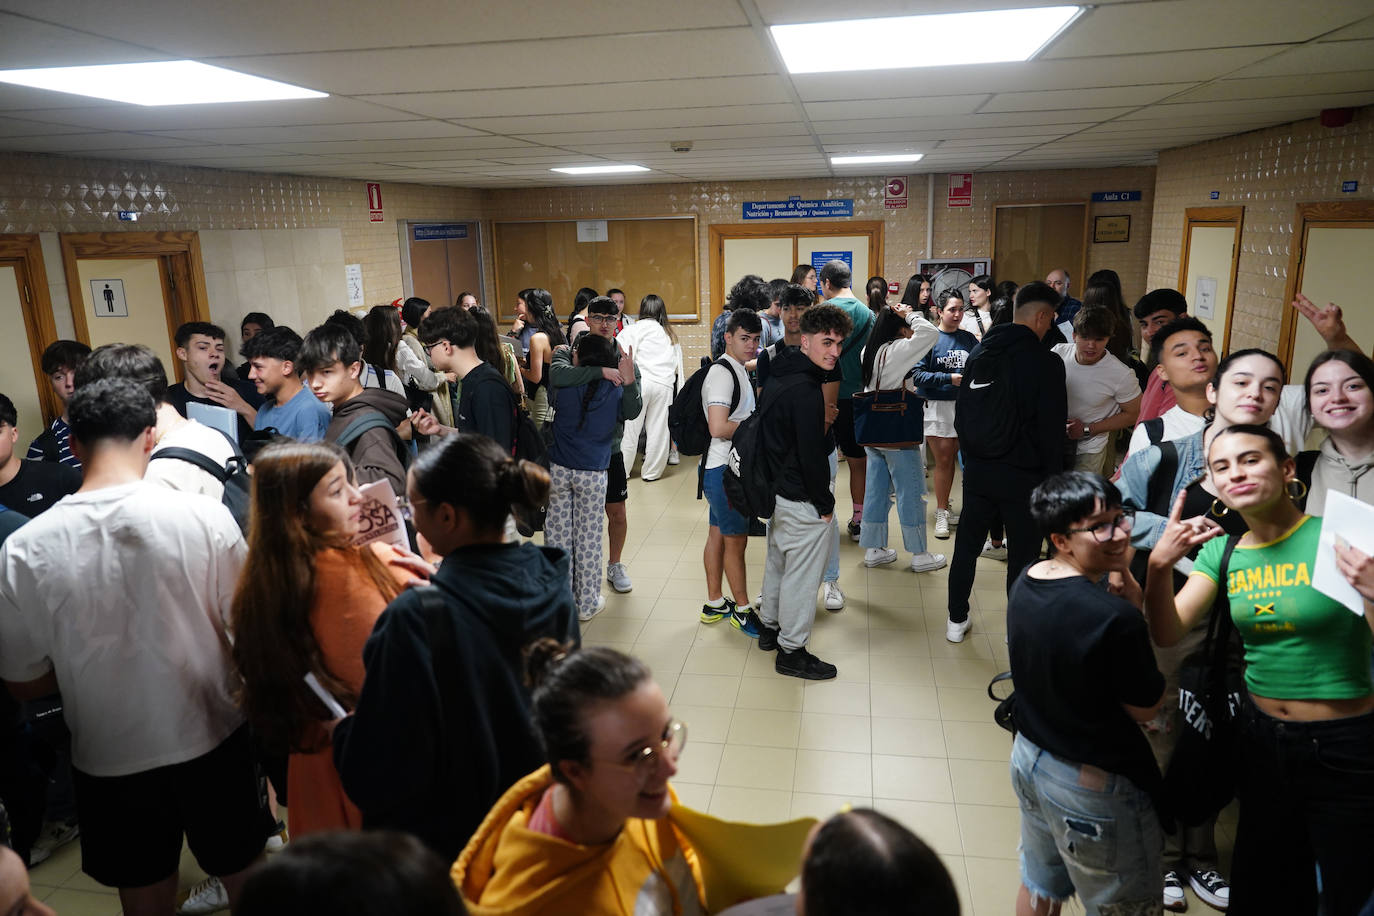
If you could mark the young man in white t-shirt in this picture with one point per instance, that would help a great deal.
(1183, 356)
(1103, 393)
(728, 401)
(118, 598)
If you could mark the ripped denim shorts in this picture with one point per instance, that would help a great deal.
(1088, 832)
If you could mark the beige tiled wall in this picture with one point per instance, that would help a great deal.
(295, 275)
(51, 194)
(962, 232)
(1269, 172)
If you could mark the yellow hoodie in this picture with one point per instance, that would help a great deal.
(509, 870)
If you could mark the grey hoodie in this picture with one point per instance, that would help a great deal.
(1334, 471)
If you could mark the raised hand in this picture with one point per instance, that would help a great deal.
(627, 365)
(1357, 567)
(424, 423)
(1328, 322)
(1181, 535)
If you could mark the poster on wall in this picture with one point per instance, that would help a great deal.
(961, 189)
(894, 193)
(820, 258)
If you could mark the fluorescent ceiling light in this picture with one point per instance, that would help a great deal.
(937, 40)
(169, 82)
(599, 169)
(867, 160)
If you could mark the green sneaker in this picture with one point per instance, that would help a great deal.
(716, 614)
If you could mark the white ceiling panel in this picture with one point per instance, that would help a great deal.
(1065, 101)
(375, 130)
(1316, 57)
(631, 120)
(27, 43)
(118, 116)
(1279, 87)
(1122, 70)
(782, 11)
(1181, 25)
(267, 27)
(895, 108)
(780, 129)
(1296, 106)
(85, 143)
(547, 62)
(548, 100)
(20, 127)
(1362, 29)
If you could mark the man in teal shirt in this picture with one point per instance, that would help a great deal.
(835, 281)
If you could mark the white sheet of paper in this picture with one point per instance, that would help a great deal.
(380, 519)
(325, 696)
(1346, 517)
(214, 416)
(1066, 328)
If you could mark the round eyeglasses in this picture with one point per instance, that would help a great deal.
(645, 760)
(1103, 532)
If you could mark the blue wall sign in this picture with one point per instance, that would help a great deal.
(128, 216)
(1348, 186)
(1111, 197)
(796, 208)
(439, 233)
(820, 258)
(1215, 195)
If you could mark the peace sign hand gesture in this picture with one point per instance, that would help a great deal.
(1180, 536)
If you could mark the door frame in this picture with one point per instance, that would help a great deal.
(36, 302)
(768, 228)
(1082, 266)
(403, 227)
(1214, 218)
(178, 254)
(1321, 214)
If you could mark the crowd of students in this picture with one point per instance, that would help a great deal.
(428, 686)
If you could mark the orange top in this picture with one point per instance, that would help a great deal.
(347, 605)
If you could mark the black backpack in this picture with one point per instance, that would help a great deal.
(687, 419)
(749, 483)
(986, 415)
(374, 419)
(233, 474)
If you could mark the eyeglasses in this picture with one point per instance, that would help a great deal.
(1102, 532)
(645, 760)
(429, 347)
(601, 319)
(406, 507)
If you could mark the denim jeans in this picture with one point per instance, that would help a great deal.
(897, 469)
(1305, 837)
(1086, 831)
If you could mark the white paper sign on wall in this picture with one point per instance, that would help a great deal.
(592, 230)
(107, 296)
(353, 277)
(1205, 297)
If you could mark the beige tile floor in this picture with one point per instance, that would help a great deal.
(906, 727)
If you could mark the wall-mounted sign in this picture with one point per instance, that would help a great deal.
(1112, 197)
(374, 201)
(894, 194)
(961, 189)
(592, 230)
(1349, 186)
(128, 216)
(893, 287)
(821, 258)
(353, 279)
(1112, 229)
(1215, 195)
(441, 233)
(796, 208)
(107, 298)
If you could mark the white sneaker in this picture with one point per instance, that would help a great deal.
(955, 632)
(209, 896)
(53, 836)
(994, 553)
(673, 456)
(597, 608)
(942, 524)
(879, 556)
(834, 598)
(277, 841)
(618, 577)
(928, 562)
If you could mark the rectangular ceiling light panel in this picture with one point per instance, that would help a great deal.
(169, 82)
(936, 40)
(599, 169)
(873, 160)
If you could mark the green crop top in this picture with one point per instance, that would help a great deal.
(1299, 643)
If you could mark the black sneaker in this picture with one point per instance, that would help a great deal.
(1211, 888)
(768, 637)
(854, 531)
(801, 663)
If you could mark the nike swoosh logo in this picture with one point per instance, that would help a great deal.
(977, 385)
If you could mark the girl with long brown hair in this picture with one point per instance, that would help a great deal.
(306, 603)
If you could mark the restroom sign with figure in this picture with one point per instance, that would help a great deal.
(107, 299)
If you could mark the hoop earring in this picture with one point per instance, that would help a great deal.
(1223, 511)
(1299, 495)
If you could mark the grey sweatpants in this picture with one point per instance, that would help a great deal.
(798, 546)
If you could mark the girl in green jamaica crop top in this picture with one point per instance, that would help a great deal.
(1305, 749)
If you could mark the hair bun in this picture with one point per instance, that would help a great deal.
(542, 657)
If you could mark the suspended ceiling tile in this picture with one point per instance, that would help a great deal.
(1297, 106)
(88, 143)
(1362, 29)
(376, 130)
(683, 118)
(1277, 87)
(895, 108)
(173, 118)
(26, 43)
(1316, 57)
(715, 132)
(546, 62)
(604, 96)
(21, 127)
(1179, 25)
(1064, 101)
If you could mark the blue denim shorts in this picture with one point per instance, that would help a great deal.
(730, 522)
(1088, 832)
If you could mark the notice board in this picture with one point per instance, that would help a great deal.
(639, 255)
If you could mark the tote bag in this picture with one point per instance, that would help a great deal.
(887, 418)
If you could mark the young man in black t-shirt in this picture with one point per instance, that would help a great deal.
(29, 487)
(487, 404)
(1086, 679)
(200, 347)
